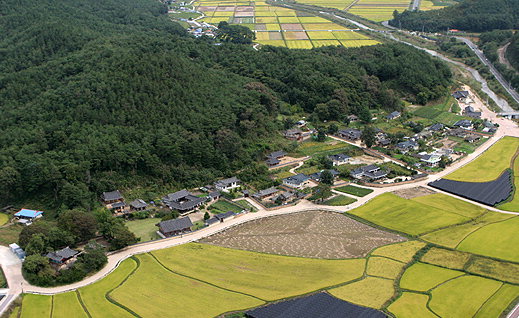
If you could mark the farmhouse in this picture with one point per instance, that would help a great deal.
(227, 184)
(138, 205)
(317, 305)
(436, 127)
(225, 216)
(26, 216)
(317, 176)
(370, 172)
(214, 195)
(174, 227)
(407, 145)
(293, 134)
(353, 118)
(464, 124)
(350, 134)
(112, 197)
(472, 138)
(458, 132)
(301, 123)
(274, 158)
(461, 95)
(182, 201)
(393, 115)
(260, 195)
(470, 112)
(298, 181)
(339, 159)
(62, 256)
(431, 160)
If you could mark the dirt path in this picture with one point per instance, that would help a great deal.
(501, 52)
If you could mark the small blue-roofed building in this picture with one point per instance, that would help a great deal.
(27, 216)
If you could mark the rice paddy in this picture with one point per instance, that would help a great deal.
(280, 26)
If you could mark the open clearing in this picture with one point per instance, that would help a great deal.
(148, 292)
(462, 296)
(411, 305)
(489, 165)
(266, 276)
(144, 229)
(339, 200)
(3, 218)
(353, 190)
(316, 234)
(423, 277)
(394, 212)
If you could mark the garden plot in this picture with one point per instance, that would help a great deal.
(315, 234)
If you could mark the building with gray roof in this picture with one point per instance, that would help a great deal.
(183, 201)
(175, 226)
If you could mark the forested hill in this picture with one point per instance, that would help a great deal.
(98, 95)
(513, 51)
(469, 15)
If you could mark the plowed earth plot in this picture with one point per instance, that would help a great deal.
(315, 234)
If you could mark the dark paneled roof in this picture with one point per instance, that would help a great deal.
(223, 216)
(112, 195)
(321, 305)
(489, 193)
(175, 225)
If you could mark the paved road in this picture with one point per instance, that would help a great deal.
(416, 5)
(494, 71)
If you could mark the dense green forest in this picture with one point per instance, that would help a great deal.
(512, 53)
(99, 95)
(468, 15)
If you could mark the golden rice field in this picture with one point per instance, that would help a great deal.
(281, 26)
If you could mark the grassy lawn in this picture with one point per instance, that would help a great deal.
(36, 306)
(452, 236)
(3, 218)
(497, 240)
(222, 206)
(266, 276)
(93, 295)
(463, 296)
(500, 300)
(370, 291)
(383, 267)
(9, 234)
(153, 291)
(330, 146)
(423, 277)
(403, 252)
(353, 190)
(339, 200)
(67, 305)
(145, 229)
(394, 212)
(283, 175)
(451, 204)
(489, 165)
(411, 305)
(446, 258)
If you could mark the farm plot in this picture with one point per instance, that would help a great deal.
(423, 277)
(497, 240)
(339, 200)
(265, 276)
(378, 10)
(67, 305)
(149, 292)
(383, 267)
(495, 305)
(222, 206)
(353, 190)
(36, 306)
(513, 204)
(489, 165)
(281, 26)
(402, 252)
(315, 234)
(3, 218)
(370, 292)
(394, 212)
(411, 305)
(451, 204)
(463, 296)
(452, 236)
(446, 258)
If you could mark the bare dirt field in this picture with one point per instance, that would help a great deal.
(315, 234)
(413, 192)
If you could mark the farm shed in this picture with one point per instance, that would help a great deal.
(320, 305)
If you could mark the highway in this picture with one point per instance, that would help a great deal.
(494, 71)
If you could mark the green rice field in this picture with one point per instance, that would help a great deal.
(279, 26)
(353, 190)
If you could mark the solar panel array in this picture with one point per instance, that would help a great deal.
(320, 305)
(489, 193)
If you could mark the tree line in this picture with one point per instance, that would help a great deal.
(468, 15)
